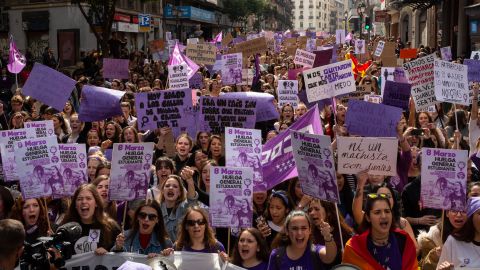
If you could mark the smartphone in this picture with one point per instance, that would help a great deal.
(417, 132)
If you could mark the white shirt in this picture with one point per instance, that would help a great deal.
(463, 255)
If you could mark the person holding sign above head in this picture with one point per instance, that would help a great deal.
(251, 251)
(380, 245)
(148, 235)
(296, 250)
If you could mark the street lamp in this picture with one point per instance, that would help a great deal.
(361, 10)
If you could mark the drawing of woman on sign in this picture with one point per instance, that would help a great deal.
(440, 189)
(229, 203)
(243, 216)
(40, 179)
(73, 179)
(457, 197)
(242, 160)
(329, 185)
(56, 182)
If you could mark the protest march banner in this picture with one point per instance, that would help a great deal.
(49, 86)
(388, 56)
(99, 103)
(359, 94)
(359, 46)
(249, 48)
(204, 54)
(379, 48)
(340, 36)
(451, 82)
(7, 141)
(446, 53)
(243, 148)
(329, 80)
(444, 178)
(231, 197)
(315, 165)
(304, 58)
(130, 174)
(420, 75)
(42, 128)
(231, 68)
(278, 164)
(265, 109)
(38, 167)
(216, 113)
(287, 91)
(73, 167)
(408, 53)
(115, 68)
(397, 94)
(377, 155)
(178, 77)
(372, 120)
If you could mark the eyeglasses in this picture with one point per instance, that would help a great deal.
(381, 195)
(143, 215)
(199, 222)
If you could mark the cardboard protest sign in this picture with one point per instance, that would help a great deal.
(166, 108)
(243, 148)
(397, 94)
(359, 46)
(358, 94)
(49, 86)
(250, 47)
(446, 53)
(265, 109)
(329, 81)
(7, 141)
(204, 54)
(340, 36)
(287, 91)
(227, 39)
(231, 197)
(420, 75)
(304, 58)
(192, 41)
(475, 55)
(99, 103)
(38, 167)
(451, 82)
(372, 120)
(291, 50)
(42, 128)
(388, 56)
(73, 167)
(115, 68)
(408, 53)
(216, 113)
(379, 48)
(130, 171)
(377, 155)
(178, 77)
(444, 178)
(232, 68)
(315, 165)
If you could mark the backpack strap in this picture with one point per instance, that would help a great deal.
(278, 257)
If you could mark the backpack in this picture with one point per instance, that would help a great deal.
(314, 255)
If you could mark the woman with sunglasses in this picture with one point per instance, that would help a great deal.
(148, 235)
(251, 251)
(380, 245)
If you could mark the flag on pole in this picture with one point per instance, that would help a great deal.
(16, 60)
(177, 58)
(348, 37)
(218, 38)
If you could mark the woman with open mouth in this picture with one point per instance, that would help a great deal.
(183, 157)
(251, 251)
(295, 248)
(380, 245)
(102, 183)
(214, 151)
(129, 135)
(164, 167)
(148, 235)
(32, 214)
(278, 208)
(112, 135)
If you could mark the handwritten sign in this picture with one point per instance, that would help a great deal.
(315, 165)
(178, 77)
(378, 155)
(444, 178)
(304, 58)
(379, 48)
(446, 53)
(42, 128)
(99, 103)
(265, 108)
(251, 47)
(130, 174)
(420, 75)
(73, 167)
(397, 94)
(372, 120)
(451, 82)
(329, 81)
(232, 68)
(359, 94)
(115, 68)
(287, 91)
(204, 54)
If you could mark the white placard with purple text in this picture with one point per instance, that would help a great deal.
(42, 128)
(232, 68)
(304, 58)
(287, 91)
(38, 167)
(451, 82)
(379, 49)
(444, 178)
(315, 165)
(74, 166)
(178, 77)
(231, 192)
(7, 139)
(130, 174)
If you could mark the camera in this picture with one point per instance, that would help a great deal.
(35, 256)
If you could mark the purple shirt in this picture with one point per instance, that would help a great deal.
(218, 247)
(303, 263)
(260, 266)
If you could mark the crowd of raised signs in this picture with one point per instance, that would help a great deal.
(272, 150)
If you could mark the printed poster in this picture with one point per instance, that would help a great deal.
(73, 167)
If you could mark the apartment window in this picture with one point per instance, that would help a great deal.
(301, 24)
(319, 25)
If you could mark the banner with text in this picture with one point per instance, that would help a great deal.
(420, 75)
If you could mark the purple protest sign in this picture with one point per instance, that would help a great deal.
(7, 141)
(278, 164)
(397, 94)
(217, 113)
(322, 57)
(38, 168)
(444, 179)
(196, 82)
(315, 165)
(49, 86)
(372, 120)
(232, 68)
(166, 108)
(73, 167)
(115, 68)
(231, 197)
(99, 103)
(292, 73)
(42, 128)
(473, 70)
(130, 174)
(265, 108)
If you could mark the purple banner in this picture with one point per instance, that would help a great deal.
(397, 94)
(196, 82)
(322, 57)
(278, 164)
(473, 70)
(99, 103)
(372, 120)
(49, 86)
(115, 68)
(265, 108)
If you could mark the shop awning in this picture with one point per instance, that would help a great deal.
(414, 4)
(473, 10)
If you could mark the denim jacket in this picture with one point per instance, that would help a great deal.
(133, 244)
(175, 218)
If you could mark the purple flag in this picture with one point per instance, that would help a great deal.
(218, 38)
(99, 103)
(277, 158)
(115, 68)
(16, 60)
(49, 86)
(265, 108)
(372, 120)
(397, 94)
(177, 58)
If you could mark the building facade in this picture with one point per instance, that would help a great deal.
(313, 15)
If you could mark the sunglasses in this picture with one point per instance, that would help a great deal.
(199, 222)
(381, 195)
(143, 215)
